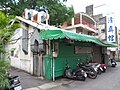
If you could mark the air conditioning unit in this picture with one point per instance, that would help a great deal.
(27, 12)
(35, 18)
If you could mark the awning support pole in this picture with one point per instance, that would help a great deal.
(53, 63)
(53, 70)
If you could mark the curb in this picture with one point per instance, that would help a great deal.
(50, 85)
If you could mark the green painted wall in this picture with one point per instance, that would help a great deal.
(66, 54)
(48, 67)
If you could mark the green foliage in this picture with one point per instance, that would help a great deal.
(59, 13)
(4, 82)
(6, 29)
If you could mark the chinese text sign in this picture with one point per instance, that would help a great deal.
(110, 23)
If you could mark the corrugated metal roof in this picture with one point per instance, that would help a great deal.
(59, 34)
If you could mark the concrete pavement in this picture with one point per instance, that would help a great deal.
(105, 81)
(51, 85)
(30, 82)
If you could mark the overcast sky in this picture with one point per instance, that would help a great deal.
(108, 6)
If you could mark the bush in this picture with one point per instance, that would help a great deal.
(4, 82)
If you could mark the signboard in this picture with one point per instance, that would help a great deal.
(110, 23)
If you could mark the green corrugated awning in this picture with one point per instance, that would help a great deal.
(109, 44)
(60, 34)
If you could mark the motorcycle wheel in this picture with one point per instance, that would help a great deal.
(92, 74)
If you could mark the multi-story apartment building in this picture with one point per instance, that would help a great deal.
(84, 24)
(81, 23)
(102, 33)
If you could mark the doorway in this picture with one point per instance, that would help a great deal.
(36, 59)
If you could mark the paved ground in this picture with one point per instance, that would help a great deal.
(106, 81)
(30, 82)
(27, 80)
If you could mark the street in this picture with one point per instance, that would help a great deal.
(106, 81)
(109, 80)
(26, 79)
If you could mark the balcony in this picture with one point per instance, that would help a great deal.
(84, 23)
(82, 20)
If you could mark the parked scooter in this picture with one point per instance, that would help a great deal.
(14, 82)
(97, 67)
(91, 73)
(103, 66)
(78, 74)
(113, 63)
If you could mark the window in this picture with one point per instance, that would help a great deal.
(55, 52)
(56, 47)
(25, 41)
(103, 31)
(12, 53)
(82, 49)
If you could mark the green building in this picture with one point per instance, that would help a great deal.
(63, 47)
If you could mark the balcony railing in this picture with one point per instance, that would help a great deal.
(84, 23)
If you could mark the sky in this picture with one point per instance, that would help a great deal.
(100, 6)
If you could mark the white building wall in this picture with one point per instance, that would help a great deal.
(20, 60)
(15, 46)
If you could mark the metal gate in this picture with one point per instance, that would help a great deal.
(97, 54)
(36, 60)
(36, 65)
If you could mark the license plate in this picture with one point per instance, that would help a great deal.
(18, 88)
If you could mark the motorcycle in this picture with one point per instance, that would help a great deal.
(78, 74)
(103, 66)
(113, 63)
(14, 82)
(91, 73)
(97, 67)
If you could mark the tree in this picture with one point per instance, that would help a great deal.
(7, 26)
(6, 30)
(14, 7)
(59, 12)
